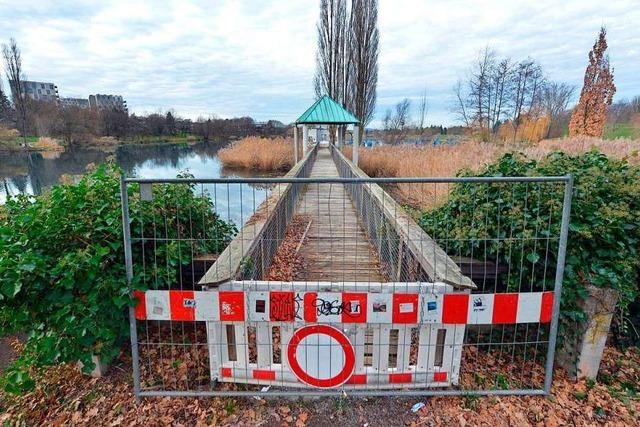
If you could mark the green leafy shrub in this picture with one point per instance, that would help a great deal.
(604, 234)
(62, 269)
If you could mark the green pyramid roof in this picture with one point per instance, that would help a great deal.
(327, 111)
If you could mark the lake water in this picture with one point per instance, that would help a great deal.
(33, 173)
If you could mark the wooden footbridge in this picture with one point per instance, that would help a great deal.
(356, 232)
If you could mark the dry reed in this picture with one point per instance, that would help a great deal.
(425, 161)
(44, 143)
(8, 134)
(627, 149)
(448, 160)
(260, 154)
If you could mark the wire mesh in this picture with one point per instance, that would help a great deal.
(326, 245)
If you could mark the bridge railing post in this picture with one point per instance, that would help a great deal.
(356, 139)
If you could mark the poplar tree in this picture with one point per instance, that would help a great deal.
(590, 115)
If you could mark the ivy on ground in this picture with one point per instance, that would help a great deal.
(62, 268)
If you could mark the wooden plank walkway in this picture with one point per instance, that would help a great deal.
(336, 247)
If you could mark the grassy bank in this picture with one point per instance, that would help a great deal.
(260, 154)
(42, 143)
(183, 138)
(621, 130)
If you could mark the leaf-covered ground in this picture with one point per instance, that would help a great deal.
(63, 396)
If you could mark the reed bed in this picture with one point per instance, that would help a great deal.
(449, 160)
(425, 161)
(627, 149)
(258, 154)
(45, 143)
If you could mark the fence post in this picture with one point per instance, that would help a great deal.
(557, 290)
(133, 329)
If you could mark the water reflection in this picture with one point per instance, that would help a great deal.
(33, 173)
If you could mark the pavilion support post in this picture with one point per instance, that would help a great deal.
(356, 139)
(305, 139)
(339, 135)
(295, 144)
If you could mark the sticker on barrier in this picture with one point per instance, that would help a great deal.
(324, 333)
(345, 307)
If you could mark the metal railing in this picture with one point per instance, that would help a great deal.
(249, 255)
(315, 242)
(407, 252)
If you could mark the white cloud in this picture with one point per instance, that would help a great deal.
(257, 58)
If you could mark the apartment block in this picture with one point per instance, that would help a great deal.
(74, 102)
(100, 101)
(39, 91)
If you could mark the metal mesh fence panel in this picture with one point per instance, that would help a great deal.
(327, 281)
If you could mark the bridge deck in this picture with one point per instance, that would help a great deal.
(336, 247)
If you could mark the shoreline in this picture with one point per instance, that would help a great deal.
(109, 148)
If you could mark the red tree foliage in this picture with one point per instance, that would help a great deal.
(590, 114)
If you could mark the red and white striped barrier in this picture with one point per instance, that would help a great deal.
(325, 330)
(345, 307)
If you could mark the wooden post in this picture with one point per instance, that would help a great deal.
(295, 144)
(305, 139)
(356, 138)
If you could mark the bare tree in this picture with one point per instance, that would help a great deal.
(402, 114)
(115, 122)
(386, 121)
(499, 89)
(397, 122)
(205, 127)
(619, 111)
(480, 88)
(330, 57)
(6, 113)
(424, 109)
(555, 98)
(527, 80)
(460, 104)
(635, 104)
(15, 76)
(363, 60)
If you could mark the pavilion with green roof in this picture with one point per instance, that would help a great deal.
(326, 111)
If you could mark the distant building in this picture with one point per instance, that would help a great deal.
(40, 91)
(101, 102)
(271, 123)
(74, 102)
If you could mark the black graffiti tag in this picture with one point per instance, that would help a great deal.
(335, 307)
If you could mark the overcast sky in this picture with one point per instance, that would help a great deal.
(233, 58)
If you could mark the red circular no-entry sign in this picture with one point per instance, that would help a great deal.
(321, 356)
